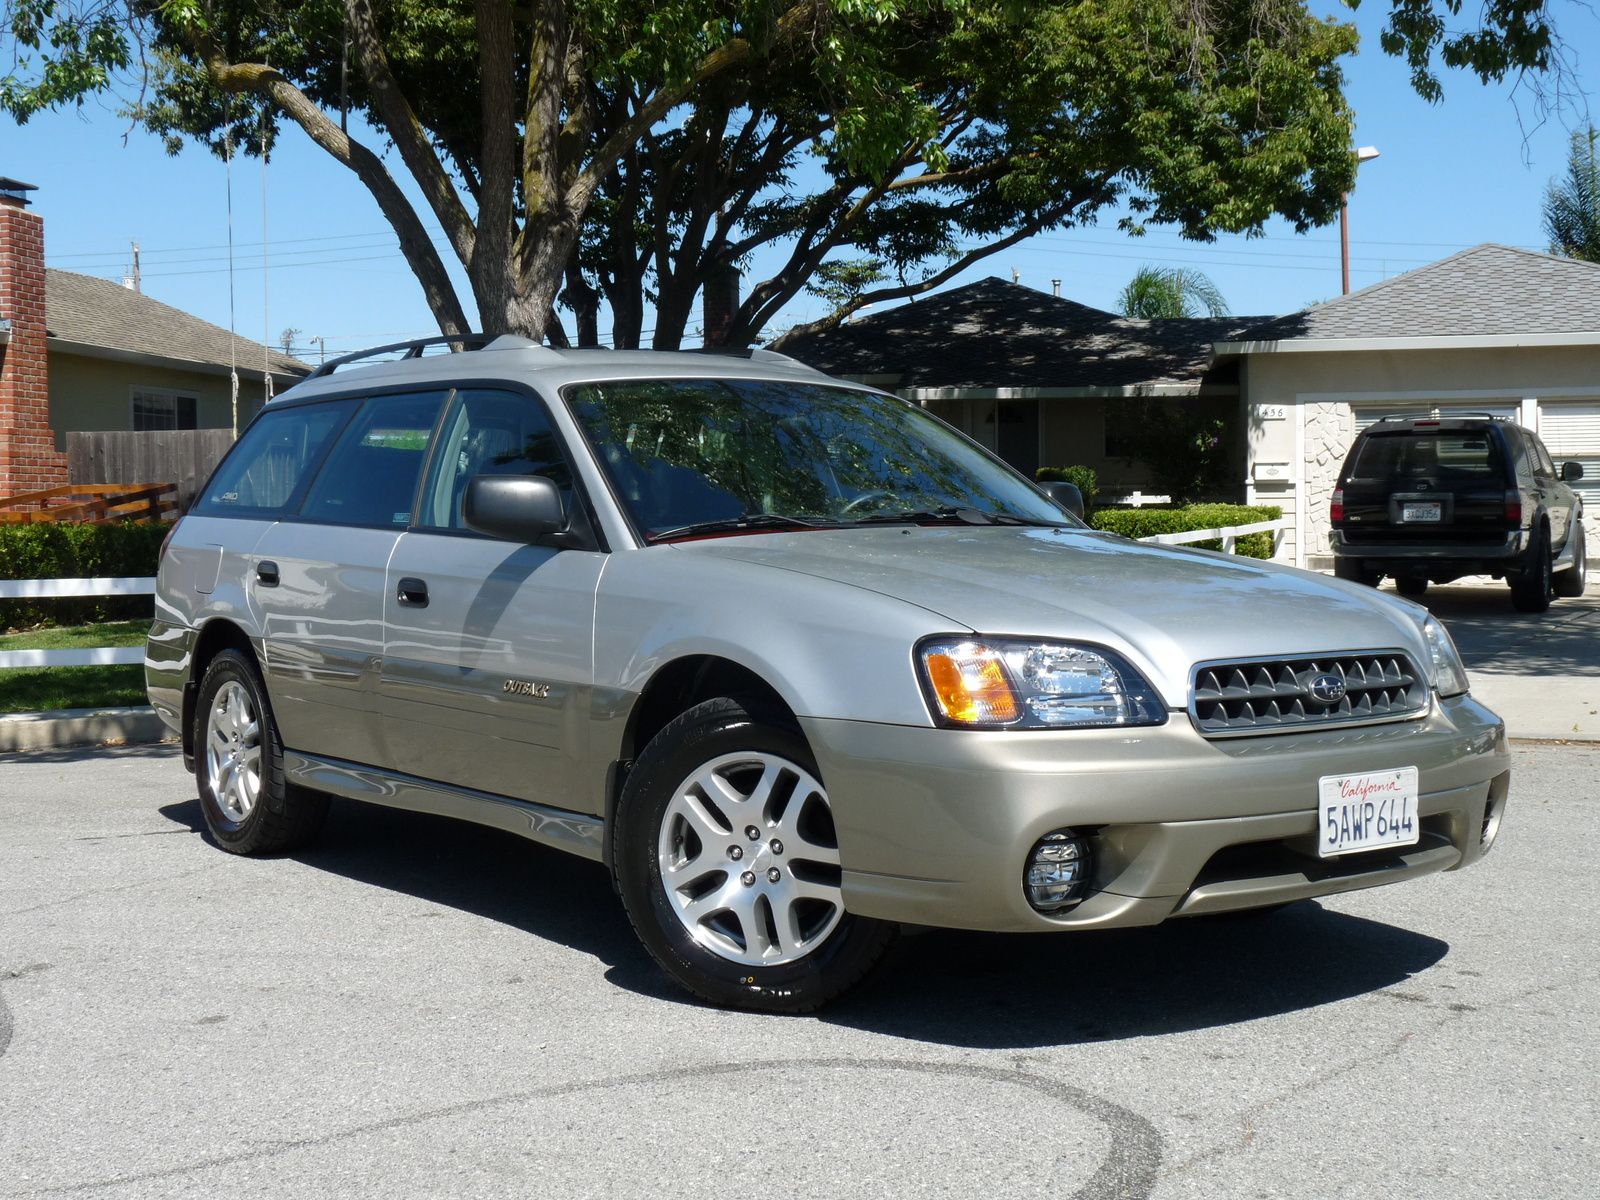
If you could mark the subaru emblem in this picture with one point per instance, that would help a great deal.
(1327, 688)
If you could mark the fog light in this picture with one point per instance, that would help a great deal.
(1057, 875)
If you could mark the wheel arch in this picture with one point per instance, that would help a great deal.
(215, 636)
(676, 687)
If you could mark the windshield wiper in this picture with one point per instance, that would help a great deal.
(751, 521)
(948, 515)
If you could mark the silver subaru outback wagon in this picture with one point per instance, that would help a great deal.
(796, 661)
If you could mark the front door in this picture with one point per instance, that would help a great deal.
(488, 653)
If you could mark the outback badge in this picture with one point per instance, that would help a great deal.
(526, 687)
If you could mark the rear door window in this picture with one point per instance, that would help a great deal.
(268, 466)
(370, 478)
(1466, 456)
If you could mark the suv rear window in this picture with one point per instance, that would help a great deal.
(1465, 455)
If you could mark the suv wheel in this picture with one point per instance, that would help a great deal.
(1415, 586)
(1531, 592)
(249, 806)
(727, 863)
(1571, 582)
(1350, 570)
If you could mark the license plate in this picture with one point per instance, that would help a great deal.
(1366, 812)
(1428, 511)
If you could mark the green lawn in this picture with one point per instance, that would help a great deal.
(45, 688)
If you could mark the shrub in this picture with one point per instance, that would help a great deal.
(1187, 451)
(1146, 522)
(1084, 477)
(59, 550)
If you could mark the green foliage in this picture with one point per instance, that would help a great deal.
(840, 281)
(1085, 479)
(66, 551)
(1572, 205)
(1156, 292)
(1147, 522)
(1187, 451)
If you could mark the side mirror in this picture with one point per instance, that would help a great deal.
(1066, 495)
(1571, 472)
(519, 508)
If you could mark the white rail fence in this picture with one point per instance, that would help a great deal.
(33, 589)
(1229, 536)
(84, 656)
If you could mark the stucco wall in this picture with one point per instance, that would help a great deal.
(1320, 392)
(94, 393)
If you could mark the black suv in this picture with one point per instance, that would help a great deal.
(1425, 498)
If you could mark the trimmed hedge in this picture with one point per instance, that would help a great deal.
(1087, 481)
(50, 550)
(1146, 522)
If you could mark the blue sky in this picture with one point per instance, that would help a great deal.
(1471, 169)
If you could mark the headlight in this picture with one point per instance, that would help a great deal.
(1449, 675)
(1000, 683)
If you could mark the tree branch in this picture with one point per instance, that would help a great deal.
(415, 244)
(410, 138)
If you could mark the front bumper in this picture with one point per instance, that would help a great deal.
(934, 825)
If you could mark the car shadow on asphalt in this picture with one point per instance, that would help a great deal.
(947, 987)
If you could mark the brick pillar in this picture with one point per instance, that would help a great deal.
(28, 457)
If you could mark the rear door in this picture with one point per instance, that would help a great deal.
(316, 580)
(1428, 482)
(1553, 495)
(488, 655)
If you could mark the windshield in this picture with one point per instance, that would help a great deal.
(694, 455)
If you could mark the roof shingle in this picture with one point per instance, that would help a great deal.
(998, 334)
(98, 312)
(1486, 291)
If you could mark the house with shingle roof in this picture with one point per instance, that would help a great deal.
(80, 353)
(1038, 379)
(1492, 329)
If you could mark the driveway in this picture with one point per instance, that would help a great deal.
(420, 1008)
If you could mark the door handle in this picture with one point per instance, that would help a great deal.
(413, 593)
(267, 573)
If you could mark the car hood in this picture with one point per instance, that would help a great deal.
(1167, 608)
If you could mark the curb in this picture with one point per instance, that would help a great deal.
(80, 727)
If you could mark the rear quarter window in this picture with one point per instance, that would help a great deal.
(264, 473)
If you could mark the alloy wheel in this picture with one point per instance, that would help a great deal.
(233, 750)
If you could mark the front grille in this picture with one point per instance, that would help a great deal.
(1276, 696)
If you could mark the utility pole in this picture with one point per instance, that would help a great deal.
(322, 349)
(131, 279)
(1364, 154)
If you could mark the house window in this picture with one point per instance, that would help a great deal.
(156, 408)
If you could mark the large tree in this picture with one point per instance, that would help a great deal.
(634, 152)
(1572, 205)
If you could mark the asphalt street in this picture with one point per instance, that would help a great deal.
(420, 1008)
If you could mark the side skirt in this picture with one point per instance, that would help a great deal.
(576, 833)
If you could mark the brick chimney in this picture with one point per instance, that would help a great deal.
(28, 458)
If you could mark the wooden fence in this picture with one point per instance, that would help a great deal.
(92, 504)
(185, 456)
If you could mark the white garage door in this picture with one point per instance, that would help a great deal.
(1571, 432)
(1367, 414)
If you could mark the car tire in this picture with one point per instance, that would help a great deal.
(1352, 572)
(1413, 586)
(249, 805)
(682, 845)
(1574, 579)
(1531, 591)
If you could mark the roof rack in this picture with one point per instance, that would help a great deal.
(1439, 414)
(415, 347)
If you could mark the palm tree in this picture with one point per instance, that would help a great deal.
(1572, 206)
(1171, 292)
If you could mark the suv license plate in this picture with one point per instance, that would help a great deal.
(1430, 511)
(1365, 812)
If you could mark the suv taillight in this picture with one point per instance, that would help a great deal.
(1336, 508)
(1513, 507)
